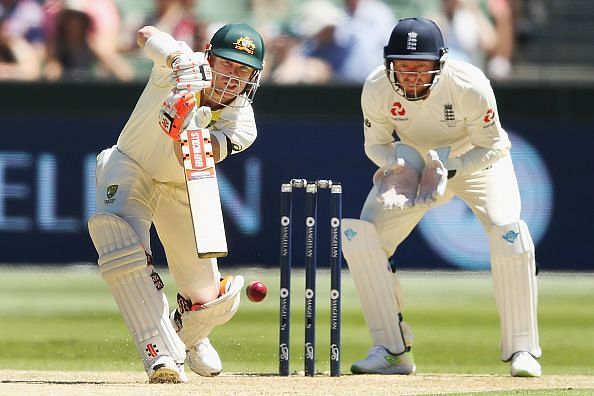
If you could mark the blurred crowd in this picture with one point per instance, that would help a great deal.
(308, 41)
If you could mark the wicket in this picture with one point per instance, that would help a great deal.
(311, 241)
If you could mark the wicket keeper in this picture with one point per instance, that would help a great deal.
(432, 127)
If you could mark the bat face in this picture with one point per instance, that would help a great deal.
(203, 192)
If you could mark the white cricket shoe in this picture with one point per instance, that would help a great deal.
(165, 370)
(524, 365)
(381, 361)
(204, 360)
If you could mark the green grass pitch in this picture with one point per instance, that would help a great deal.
(67, 320)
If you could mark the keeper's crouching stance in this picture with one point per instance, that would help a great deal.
(432, 127)
(141, 182)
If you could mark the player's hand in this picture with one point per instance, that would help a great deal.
(176, 112)
(397, 185)
(433, 180)
(191, 72)
(203, 116)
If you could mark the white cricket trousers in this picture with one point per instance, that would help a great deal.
(125, 189)
(492, 195)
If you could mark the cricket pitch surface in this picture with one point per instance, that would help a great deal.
(20, 382)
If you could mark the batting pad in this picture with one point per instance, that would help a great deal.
(193, 326)
(123, 265)
(514, 281)
(375, 285)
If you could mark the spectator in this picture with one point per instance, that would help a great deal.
(18, 59)
(289, 65)
(316, 23)
(21, 39)
(469, 34)
(268, 16)
(177, 17)
(365, 30)
(83, 38)
(499, 65)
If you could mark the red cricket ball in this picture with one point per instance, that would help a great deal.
(256, 291)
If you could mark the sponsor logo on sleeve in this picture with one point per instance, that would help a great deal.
(489, 118)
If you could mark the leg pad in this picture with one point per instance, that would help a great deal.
(135, 287)
(514, 280)
(375, 285)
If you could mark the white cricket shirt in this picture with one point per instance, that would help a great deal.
(460, 112)
(143, 140)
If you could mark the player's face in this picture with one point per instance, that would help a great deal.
(415, 76)
(230, 79)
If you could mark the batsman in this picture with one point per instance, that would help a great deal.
(432, 127)
(141, 182)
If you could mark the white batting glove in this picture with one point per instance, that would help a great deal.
(434, 180)
(397, 185)
(203, 116)
(191, 72)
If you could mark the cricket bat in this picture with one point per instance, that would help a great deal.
(203, 192)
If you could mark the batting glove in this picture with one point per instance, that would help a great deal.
(176, 112)
(191, 72)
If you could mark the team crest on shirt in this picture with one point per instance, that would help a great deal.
(398, 111)
(245, 44)
(449, 116)
(110, 192)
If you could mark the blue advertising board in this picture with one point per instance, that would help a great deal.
(47, 191)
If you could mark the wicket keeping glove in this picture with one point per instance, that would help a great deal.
(397, 184)
(191, 72)
(433, 179)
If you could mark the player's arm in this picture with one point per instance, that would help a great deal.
(234, 131)
(486, 134)
(159, 46)
(188, 69)
(399, 164)
(377, 129)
